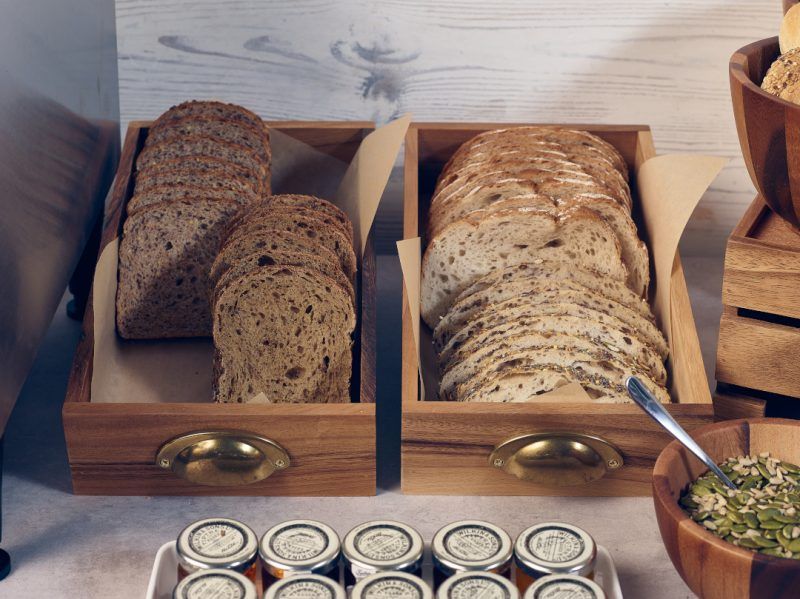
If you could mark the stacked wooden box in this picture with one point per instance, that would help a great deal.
(758, 356)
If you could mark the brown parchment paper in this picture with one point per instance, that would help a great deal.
(670, 187)
(180, 370)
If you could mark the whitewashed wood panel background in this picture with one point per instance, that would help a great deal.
(659, 62)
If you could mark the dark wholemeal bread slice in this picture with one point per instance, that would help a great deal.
(167, 193)
(208, 108)
(197, 145)
(165, 254)
(479, 243)
(199, 170)
(240, 132)
(284, 331)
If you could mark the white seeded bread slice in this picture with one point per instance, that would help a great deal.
(208, 108)
(531, 345)
(165, 254)
(285, 331)
(525, 380)
(470, 248)
(564, 318)
(207, 172)
(240, 132)
(237, 247)
(205, 163)
(558, 292)
(167, 193)
(547, 270)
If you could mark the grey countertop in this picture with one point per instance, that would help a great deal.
(67, 546)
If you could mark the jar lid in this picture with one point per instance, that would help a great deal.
(471, 545)
(391, 585)
(485, 585)
(217, 543)
(305, 586)
(382, 545)
(564, 586)
(299, 546)
(215, 583)
(555, 548)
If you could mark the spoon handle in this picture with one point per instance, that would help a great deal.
(656, 411)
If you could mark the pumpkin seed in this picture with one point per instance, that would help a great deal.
(751, 520)
(768, 514)
(773, 551)
(794, 546)
(764, 542)
(749, 543)
(771, 525)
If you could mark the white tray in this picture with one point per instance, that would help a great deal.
(165, 573)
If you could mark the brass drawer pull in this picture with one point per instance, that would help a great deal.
(222, 458)
(556, 459)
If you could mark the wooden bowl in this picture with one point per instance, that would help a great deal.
(710, 566)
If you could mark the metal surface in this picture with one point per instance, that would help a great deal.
(556, 459)
(222, 458)
(645, 400)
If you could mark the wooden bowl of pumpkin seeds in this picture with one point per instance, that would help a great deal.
(730, 544)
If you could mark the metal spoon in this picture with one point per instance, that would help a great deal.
(645, 400)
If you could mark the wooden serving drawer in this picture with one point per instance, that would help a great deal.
(446, 446)
(112, 447)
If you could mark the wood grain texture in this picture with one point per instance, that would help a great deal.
(730, 406)
(445, 446)
(112, 447)
(460, 60)
(711, 567)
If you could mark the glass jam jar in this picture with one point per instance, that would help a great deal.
(217, 543)
(381, 546)
(392, 585)
(213, 584)
(299, 546)
(565, 586)
(470, 546)
(553, 548)
(305, 586)
(486, 585)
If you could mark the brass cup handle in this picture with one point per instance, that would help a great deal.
(556, 459)
(222, 458)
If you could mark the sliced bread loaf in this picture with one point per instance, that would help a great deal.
(284, 331)
(208, 108)
(167, 193)
(165, 254)
(470, 248)
(206, 172)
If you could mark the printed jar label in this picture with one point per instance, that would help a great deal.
(217, 539)
(555, 545)
(472, 543)
(565, 590)
(392, 587)
(478, 586)
(299, 543)
(214, 587)
(383, 543)
(306, 589)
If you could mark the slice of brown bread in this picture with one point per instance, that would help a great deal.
(165, 254)
(289, 257)
(168, 193)
(240, 132)
(304, 222)
(198, 145)
(284, 331)
(208, 108)
(470, 248)
(326, 209)
(209, 173)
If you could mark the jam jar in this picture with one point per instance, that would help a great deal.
(485, 585)
(217, 543)
(553, 548)
(299, 546)
(391, 585)
(470, 546)
(213, 584)
(565, 586)
(381, 546)
(305, 586)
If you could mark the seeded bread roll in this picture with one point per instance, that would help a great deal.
(284, 331)
(197, 169)
(474, 246)
(208, 108)
(165, 254)
(168, 193)
(783, 77)
(239, 132)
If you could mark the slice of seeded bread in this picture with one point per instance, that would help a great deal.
(208, 108)
(167, 193)
(285, 331)
(474, 246)
(198, 170)
(257, 139)
(165, 254)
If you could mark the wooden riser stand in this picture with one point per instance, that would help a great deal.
(758, 356)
